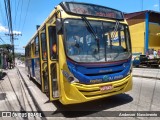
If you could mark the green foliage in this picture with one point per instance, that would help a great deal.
(17, 55)
(22, 59)
(20, 56)
(6, 46)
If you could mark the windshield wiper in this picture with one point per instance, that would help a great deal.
(90, 28)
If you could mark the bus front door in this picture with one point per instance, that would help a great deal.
(43, 61)
(53, 67)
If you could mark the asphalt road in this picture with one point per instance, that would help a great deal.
(143, 97)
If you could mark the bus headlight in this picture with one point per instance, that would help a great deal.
(69, 77)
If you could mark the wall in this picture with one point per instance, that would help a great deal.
(137, 32)
(154, 35)
(136, 22)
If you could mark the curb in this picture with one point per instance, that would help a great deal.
(146, 77)
(32, 96)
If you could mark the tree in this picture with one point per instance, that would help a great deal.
(6, 46)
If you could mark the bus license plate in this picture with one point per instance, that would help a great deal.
(105, 88)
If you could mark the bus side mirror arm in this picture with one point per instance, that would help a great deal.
(59, 25)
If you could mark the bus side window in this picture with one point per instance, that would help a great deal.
(52, 42)
(44, 46)
(36, 46)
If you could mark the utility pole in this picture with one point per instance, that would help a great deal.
(9, 19)
(11, 30)
(12, 42)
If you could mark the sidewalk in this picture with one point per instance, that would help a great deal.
(39, 98)
(146, 73)
(14, 96)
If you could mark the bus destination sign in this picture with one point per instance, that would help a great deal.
(92, 10)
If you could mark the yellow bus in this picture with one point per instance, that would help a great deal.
(81, 52)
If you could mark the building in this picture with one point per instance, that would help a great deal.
(145, 30)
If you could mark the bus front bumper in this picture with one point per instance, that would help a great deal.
(78, 93)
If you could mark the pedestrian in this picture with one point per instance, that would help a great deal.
(155, 53)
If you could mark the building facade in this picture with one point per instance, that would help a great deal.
(145, 30)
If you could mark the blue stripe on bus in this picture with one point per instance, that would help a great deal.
(33, 73)
(105, 74)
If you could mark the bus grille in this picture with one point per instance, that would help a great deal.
(94, 90)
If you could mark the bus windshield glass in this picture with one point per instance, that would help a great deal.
(111, 44)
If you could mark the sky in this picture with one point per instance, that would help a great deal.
(26, 14)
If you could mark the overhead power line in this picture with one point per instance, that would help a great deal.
(9, 18)
(2, 14)
(26, 15)
(16, 11)
(2, 40)
(20, 15)
(6, 10)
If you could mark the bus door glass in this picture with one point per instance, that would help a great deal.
(52, 61)
(43, 59)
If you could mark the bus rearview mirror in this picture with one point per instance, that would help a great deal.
(58, 25)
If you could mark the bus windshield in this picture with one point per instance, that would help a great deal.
(112, 41)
